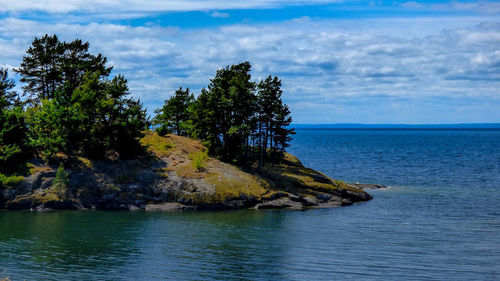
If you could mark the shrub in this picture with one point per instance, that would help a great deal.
(6, 180)
(199, 160)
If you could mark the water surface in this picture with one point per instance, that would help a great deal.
(439, 220)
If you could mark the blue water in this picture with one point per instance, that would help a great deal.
(439, 220)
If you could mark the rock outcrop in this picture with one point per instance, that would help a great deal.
(175, 177)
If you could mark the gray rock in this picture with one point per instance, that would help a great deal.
(280, 203)
(133, 208)
(346, 202)
(163, 207)
(330, 204)
(355, 196)
(310, 201)
(324, 197)
(366, 185)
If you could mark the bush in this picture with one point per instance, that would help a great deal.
(9, 180)
(199, 160)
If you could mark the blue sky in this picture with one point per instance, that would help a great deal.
(340, 61)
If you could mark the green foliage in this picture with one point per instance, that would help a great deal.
(160, 146)
(199, 160)
(46, 134)
(103, 117)
(6, 181)
(61, 180)
(50, 63)
(273, 120)
(7, 96)
(174, 116)
(14, 148)
(223, 114)
(74, 107)
(234, 115)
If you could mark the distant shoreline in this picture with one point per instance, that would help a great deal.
(346, 126)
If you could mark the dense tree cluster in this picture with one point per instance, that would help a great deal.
(239, 120)
(70, 104)
(74, 106)
(14, 148)
(174, 116)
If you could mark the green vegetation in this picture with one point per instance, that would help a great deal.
(72, 112)
(61, 181)
(199, 160)
(239, 120)
(159, 146)
(70, 107)
(10, 180)
(14, 149)
(174, 116)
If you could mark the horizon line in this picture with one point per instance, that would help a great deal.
(395, 125)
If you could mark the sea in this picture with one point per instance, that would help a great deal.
(438, 219)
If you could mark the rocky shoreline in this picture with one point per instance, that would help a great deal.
(169, 181)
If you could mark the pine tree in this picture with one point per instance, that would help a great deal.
(231, 118)
(40, 68)
(77, 60)
(7, 96)
(174, 116)
(282, 132)
(74, 107)
(50, 63)
(273, 120)
(231, 99)
(14, 148)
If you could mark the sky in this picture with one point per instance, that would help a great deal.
(398, 62)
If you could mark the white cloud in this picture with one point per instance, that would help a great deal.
(331, 72)
(486, 7)
(100, 6)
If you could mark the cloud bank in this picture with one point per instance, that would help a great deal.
(397, 70)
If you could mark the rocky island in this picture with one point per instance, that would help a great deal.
(77, 139)
(169, 179)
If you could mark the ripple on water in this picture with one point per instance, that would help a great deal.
(439, 220)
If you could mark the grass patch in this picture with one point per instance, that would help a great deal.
(188, 171)
(160, 146)
(234, 185)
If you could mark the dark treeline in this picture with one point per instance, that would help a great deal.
(71, 107)
(239, 120)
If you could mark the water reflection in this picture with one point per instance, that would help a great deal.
(212, 245)
(203, 245)
(65, 241)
